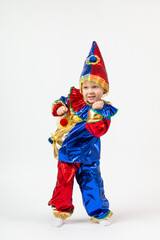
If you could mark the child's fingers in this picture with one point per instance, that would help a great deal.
(66, 109)
(62, 110)
(98, 105)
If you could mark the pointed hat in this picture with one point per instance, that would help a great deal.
(94, 68)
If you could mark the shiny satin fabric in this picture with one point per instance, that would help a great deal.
(78, 141)
(94, 70)
(91, 185)
(79, 146)
(78, 150)
(62, 194)
(93, 116)
(62, 132)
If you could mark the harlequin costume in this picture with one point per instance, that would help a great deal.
(76, 144)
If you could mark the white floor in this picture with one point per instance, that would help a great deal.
(135, 224)
(24, 214)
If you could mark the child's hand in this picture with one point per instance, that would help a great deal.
(62, 110)
(98, 105)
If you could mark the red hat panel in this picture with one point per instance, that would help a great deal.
(94, 68)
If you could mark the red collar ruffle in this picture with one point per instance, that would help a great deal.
(76, 100)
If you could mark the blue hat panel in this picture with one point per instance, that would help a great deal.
(87, 68)
(92, 49)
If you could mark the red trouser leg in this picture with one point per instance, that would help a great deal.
(62, 194)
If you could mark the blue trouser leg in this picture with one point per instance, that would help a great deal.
(91, 184)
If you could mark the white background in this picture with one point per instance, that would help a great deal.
(43, 45)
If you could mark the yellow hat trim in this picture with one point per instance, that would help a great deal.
(94, 78)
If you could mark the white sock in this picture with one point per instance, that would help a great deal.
(105, 222)
(58, 222)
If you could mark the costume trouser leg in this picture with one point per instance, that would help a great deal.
(91, 184)
(62, 194)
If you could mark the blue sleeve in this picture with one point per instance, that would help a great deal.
(63, 99)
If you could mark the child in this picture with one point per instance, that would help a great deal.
(84, 118)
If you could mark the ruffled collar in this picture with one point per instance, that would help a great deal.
(76, 99)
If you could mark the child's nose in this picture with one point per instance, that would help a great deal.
(90, 90)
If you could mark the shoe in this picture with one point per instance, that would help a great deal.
(58, 222)
(104, 222)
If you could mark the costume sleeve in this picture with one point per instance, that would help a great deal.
(98, 129)
(58, 103)
(98, 121)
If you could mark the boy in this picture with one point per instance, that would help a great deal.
(84, 119)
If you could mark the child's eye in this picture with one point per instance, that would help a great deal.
(95, 86)
(84, 87)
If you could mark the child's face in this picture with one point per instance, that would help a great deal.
(92, 92)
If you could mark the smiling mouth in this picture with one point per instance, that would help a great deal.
(91, 97)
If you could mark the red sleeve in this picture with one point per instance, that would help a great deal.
(98, 129)
(54, 110)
